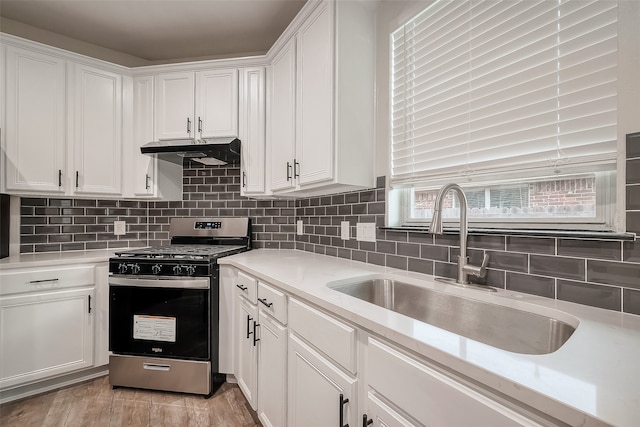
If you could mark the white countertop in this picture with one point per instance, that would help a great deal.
(48, 259)
(594, 378)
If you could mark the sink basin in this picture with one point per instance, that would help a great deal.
(503, 327)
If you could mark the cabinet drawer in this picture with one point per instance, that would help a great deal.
(39, 279)
(247, 286)
(334, 338)
(273, 302)
(430, 396)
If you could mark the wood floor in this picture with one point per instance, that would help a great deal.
(94, 403)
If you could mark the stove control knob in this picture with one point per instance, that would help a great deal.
(135, 268)
(156, 269)
(122, 267)
(177, 270)
(191, 269)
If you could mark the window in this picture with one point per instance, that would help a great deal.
(516, 101)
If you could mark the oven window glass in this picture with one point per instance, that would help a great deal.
(160, 322)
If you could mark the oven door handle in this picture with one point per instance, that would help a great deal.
(183, 282)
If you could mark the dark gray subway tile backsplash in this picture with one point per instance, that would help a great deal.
(600, 273)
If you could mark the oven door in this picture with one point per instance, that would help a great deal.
(160, 317)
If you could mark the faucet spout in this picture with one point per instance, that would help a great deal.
(464, 268)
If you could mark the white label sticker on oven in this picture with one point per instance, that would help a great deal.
(154, 328)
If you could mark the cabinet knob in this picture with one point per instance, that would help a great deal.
(366, 421)
(200, 125)
(189, 126)
(288, 171)
(146, 181)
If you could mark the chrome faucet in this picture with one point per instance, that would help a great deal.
(464, 268)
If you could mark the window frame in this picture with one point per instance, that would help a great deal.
(614, 219)
(605, 219)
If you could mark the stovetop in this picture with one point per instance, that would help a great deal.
(177, 252)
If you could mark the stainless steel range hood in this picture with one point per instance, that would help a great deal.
(210, 151)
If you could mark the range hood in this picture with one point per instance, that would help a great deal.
(210, 151)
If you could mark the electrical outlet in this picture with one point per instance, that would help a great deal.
(366, 232)
(344, 230)
(300, 227)
(119, 228)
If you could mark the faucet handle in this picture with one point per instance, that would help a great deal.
(478, 271)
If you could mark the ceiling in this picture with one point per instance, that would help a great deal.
(162, 30)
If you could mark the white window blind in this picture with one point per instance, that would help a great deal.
(496, 89)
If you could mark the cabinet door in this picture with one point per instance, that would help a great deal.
(315, 386)
(144, 167)
(35, 122)
(252, 130)
(175, 105)
(314, 136)
(282, 114)
(272, 372)
(45, 334)
(216, 103)
(425, 394)
(97, 131)
(383, 416)
(247, 355)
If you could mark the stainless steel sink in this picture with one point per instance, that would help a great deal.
(503, 327)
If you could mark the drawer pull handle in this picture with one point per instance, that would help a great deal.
(366, 421)
(242, 288)
(43, 281)
(343, 401)
(264, 301)
(156, 367)
(255, 326)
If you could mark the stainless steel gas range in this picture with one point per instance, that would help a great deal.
(164, 305)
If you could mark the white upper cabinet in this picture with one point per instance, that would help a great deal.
(63, 126)
(35, 124)
(282, 115)
(252, 130)
(175, 100)
(146, 176)
(144, 167)
(217, 103)
(196, 105)
(314, 150)
(321, 116)
(97, 148)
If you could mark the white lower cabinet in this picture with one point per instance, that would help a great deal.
(320, 393)
(272, 372)
(321, 371)
(261, 348)
(44, 335)
(380, 414)
(247, 366)
(401, 388)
